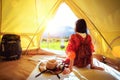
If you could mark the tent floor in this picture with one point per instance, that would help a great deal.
(22, 68)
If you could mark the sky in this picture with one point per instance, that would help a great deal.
(64, 17)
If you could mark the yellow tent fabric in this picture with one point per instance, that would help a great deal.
(28, 18)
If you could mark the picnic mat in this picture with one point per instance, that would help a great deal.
(79, 73)
(49, 76)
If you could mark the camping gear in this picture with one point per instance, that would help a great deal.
(11, 46)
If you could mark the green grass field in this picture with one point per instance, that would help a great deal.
(53, 45)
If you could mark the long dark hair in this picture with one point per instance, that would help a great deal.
(81, 26)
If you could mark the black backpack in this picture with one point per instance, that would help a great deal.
(10, 46)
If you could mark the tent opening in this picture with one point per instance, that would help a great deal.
(58, 30)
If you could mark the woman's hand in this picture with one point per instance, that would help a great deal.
(66, 71)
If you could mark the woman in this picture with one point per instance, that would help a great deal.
(75, 53)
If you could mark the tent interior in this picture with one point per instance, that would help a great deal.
(29, 19)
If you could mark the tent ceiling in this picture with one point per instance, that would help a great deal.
(29, 18)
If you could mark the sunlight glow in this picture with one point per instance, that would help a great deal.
(64, 17)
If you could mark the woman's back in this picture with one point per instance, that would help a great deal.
(81, 45)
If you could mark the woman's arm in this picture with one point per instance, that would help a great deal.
(71, 56)
(91, 63)
(92, 66)
(71, 64)
(69, 69)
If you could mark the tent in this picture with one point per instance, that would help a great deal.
(29, 18)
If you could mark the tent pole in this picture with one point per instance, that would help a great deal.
(100, 34)
(39, 26)
(0, 17)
